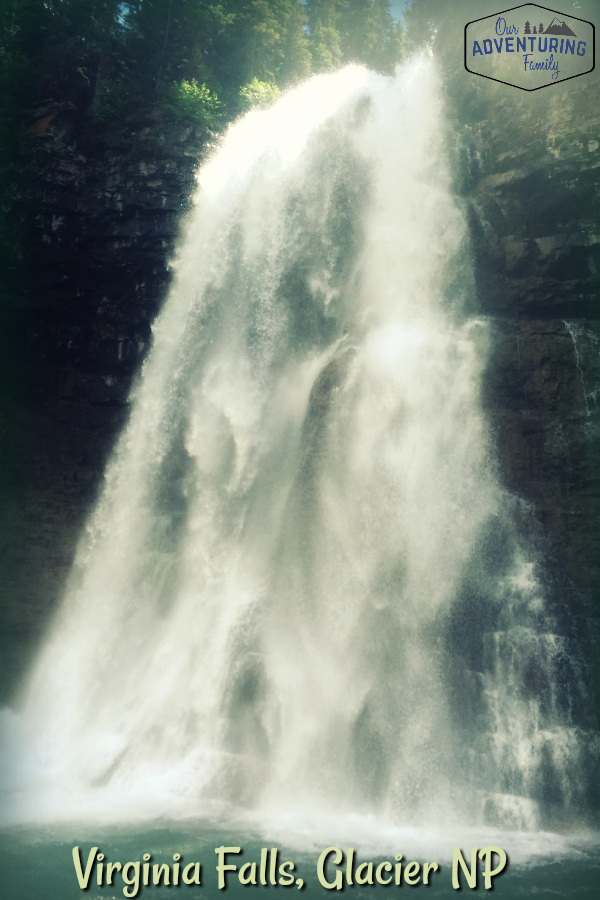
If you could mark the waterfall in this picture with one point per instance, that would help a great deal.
(301, 587)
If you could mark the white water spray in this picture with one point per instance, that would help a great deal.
(299, 590)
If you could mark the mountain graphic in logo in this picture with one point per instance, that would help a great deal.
(558, 27)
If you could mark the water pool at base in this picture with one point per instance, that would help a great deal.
(37, 863)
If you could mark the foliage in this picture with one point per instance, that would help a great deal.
(114, 59)
(325, 38)
(259, 94)
(195, 102)
(370, 35)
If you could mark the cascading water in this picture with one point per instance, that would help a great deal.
(300, 588)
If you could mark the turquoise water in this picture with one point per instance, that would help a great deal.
(37, 863)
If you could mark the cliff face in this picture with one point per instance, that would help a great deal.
(533, 197)
(534, 211)
(99, 214)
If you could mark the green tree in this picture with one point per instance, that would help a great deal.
(195, 102)
(268, 41)
(261, 94)
(369, 34)
(64, 43)
(362, 31)
(171, 40)
(118, 59)
(325, 38)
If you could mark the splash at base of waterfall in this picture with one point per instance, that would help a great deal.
(301, 591)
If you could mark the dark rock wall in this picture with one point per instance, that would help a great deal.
(98, 214)
(535, 221)
(533, 195)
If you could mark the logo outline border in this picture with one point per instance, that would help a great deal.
(542, 86)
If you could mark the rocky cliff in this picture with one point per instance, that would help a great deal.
(533, 196)
(98, 214)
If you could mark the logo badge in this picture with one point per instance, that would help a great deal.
(529, 47)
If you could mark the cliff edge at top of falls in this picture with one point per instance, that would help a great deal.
(96, 216)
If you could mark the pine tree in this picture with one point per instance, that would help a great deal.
(324, 39)
(369, 34)
(268, 41)
(527, 28)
